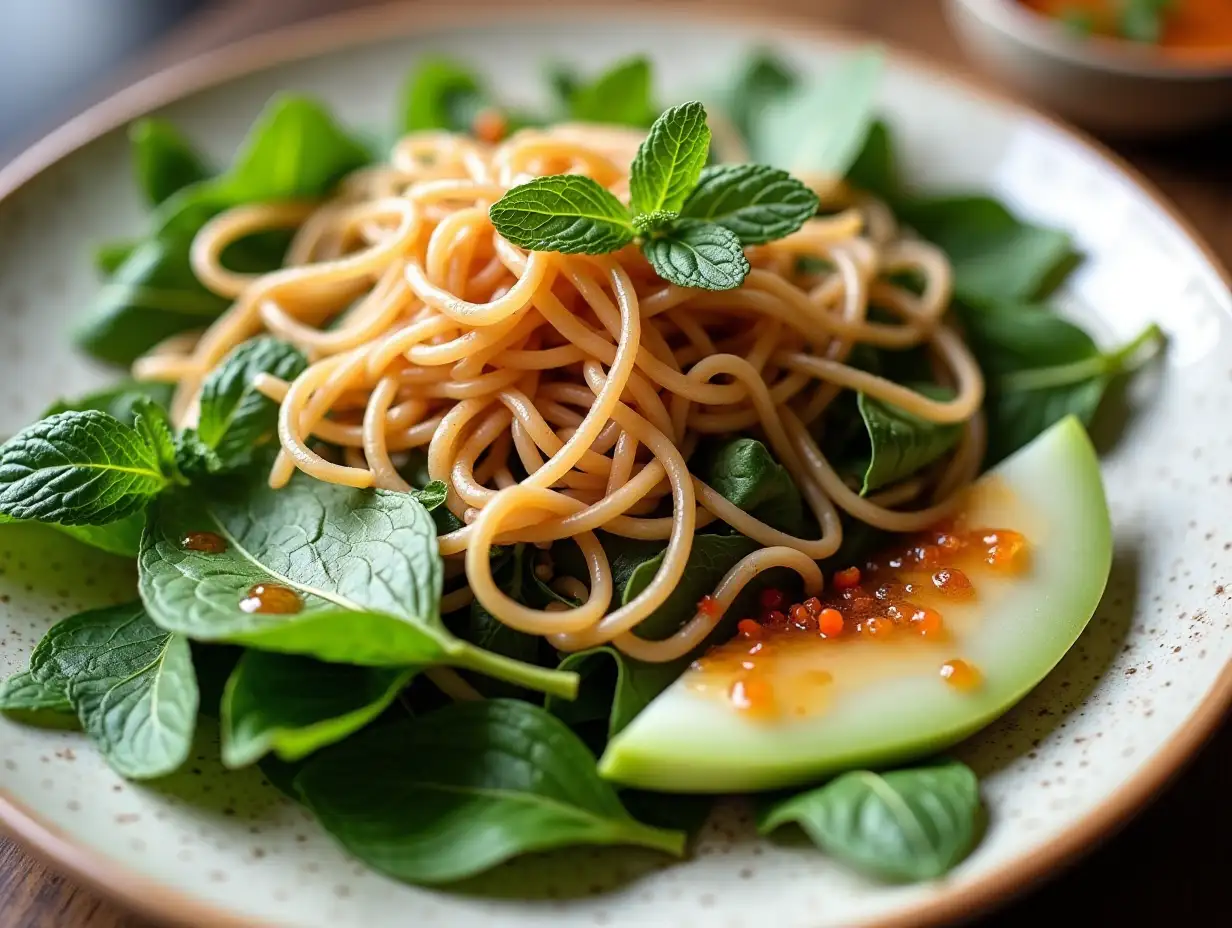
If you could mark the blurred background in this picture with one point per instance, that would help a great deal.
(59, 56)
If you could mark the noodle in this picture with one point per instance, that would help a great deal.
(586, 373)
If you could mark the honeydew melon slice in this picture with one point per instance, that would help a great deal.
(890, 705)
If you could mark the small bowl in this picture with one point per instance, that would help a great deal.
(1108, 85)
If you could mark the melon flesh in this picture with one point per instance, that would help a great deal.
(888, 703)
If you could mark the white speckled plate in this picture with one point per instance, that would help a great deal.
(1145, 683)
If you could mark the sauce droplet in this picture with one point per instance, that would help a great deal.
(953, 582)
(205, 542)
(960, 675)
(272, 599)
(752, 694)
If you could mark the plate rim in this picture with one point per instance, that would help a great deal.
(393, 19)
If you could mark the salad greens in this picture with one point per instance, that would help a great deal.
(329, 692)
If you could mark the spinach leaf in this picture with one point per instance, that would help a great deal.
(620, 96)
(820, 128)
(362, 566)
(131, 683)
(670, 160)
(235, 418)
(615, 688)
(294, 151)
(675, 811)
(746, 474)
(698, 254)
(440, 93)
(122, 538)
(117, 400)
(901, 444)
(460, 790)
(756, 202)
(22, 692)
(80, 468)
(481, 628)
(567, 213)
(905, 825)
(293, 706)
(165, 161)
(763, 80)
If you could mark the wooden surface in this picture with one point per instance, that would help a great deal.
(1169, 865)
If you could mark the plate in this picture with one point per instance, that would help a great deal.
(1135, 697)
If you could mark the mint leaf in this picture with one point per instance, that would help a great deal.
(135, 692)
(619, 96)
(440, 93)
(670, 160)
(905, 825)
(293, 706)
(23, 693)
(453, 793)
(194, 457)
(117, 400)
(150, 422)
(236, 419)
(79, 468)
(567, 213)
(901, 443)
(756, 202)
(820, 128)
(697, 254)
(433, 495)
(165, 161)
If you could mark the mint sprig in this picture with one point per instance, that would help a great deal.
(692, 222)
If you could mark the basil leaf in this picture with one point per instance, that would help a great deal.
(902, 444)
(109, 256)
(363, 565)
(746, 474)
(79, 468)
(697, 254)
(764, 79)
(619, 96)
(756, 202)
(117, 400)
(236, 419)
(440, 93)
(670, 160)
(820, 128)
(136, 693)
(567, 213)
(293, 706)
(22, 692)
(615, 688)
(905, 825)
(122, 538)
(165, 161)
(995, 255)
(460, 790)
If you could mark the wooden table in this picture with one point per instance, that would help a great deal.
(1163, 868)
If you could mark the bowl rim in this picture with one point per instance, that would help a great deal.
(1119, 56)
(393, 19)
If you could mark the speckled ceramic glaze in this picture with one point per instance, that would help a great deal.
(1123, 708)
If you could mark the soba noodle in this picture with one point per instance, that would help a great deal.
(589, 374)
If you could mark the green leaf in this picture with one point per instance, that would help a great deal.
(109, 256)
(1143, 20)
(995, 255)
(746, 474)
(619, 96)
(165, 161)
(763, 80)
(23, 693)
(293, 706)
(122, 538)
(236, 419)
(195, 458)
(696, 254)
(78, 468)
(150, 422)
(675, 811)
(756, 202)
(117, 400)
(131, 683)
(901, 443)
(363, 564)
(670, 160)
(564, 83)
(440, 93)
(615, 688)
(820, 128)
(874, 169)
(905, 825)
(484, 630)
(433, 495)
(567, 213)
(460, 790)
